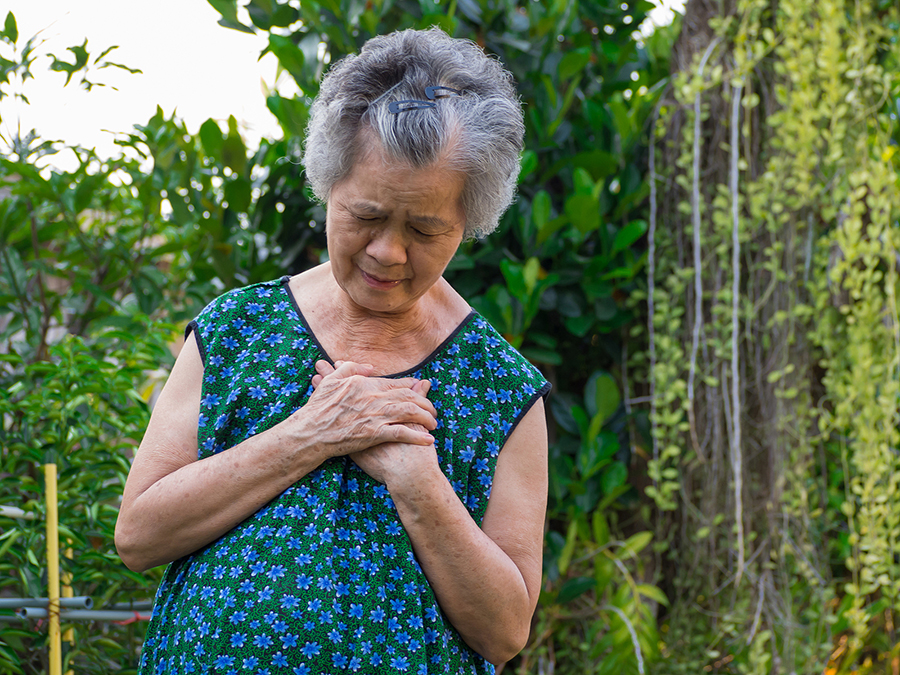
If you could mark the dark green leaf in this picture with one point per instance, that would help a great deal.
(613, 477)
(574, 588)
(10, 29)
(601, 395)
(574, 62)
(289, 56)
(584, 213)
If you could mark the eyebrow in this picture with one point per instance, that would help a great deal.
(431, 221)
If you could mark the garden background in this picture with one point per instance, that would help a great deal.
(702, 259)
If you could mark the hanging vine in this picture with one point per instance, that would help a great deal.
(775, 340)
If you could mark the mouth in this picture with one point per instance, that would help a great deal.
(378, 282)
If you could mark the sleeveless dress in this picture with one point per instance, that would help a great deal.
(323, 578)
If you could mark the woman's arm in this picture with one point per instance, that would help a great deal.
(173, 504)
(487, 579)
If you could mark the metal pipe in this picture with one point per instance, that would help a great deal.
(132, 606)
(67, 592)
(54, 637)
(83, 614)
(80, 602)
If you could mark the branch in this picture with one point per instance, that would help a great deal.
(633, 633)
(698, 259)
(45, 310)
(737, 459)
(651, 288)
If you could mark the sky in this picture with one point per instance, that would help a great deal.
(189, 64)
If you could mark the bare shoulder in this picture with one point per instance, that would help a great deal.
(313, 283)
(454, 306)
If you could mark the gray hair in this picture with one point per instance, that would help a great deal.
(478, 133)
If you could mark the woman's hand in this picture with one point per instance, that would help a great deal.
(387, 462)
(352, 411)
(174, 504)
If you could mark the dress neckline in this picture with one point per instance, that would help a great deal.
(285, 285)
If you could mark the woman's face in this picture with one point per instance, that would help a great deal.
(392, 229)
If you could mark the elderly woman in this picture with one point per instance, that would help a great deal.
(347, 468)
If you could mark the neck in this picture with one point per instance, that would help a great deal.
(391, 342)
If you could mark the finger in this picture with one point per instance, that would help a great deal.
(402, 433)
(404, 382)
(418, 399)
(350, 368)
(324, 368)
(422, 387)
(415, 416)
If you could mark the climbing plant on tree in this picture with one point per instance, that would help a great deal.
(774, 344)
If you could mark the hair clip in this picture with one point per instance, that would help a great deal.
(401, 106)
(414, 104)
(430, 92)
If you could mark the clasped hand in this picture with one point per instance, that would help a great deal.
(381, 423)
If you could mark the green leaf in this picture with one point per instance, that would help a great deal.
(573, 588)
(260, 12)
(595, 454)
(574, 62)
(629, 234)
(16, 278)
(529, 164)
(638, 542)
(291, 113)
(583, 212)
(565, 557)
(81, 59)
(652, 592)
(10, 29)
(211, 139)
(228, 10)
(579, 325)
(613, 477)
(540, 209)
(514, 275)
(601, 395)
(600, 528)
(238, 194)
(234, 153)
(289, 56)
(284, 16)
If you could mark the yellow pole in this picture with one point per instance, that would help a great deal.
(67, 592)
(53, 570)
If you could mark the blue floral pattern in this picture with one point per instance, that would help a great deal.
(323, 579)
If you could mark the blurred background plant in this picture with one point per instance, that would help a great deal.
(723, 464)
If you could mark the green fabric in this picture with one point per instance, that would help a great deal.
(323, 579)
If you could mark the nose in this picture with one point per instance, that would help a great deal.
(387, 246)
